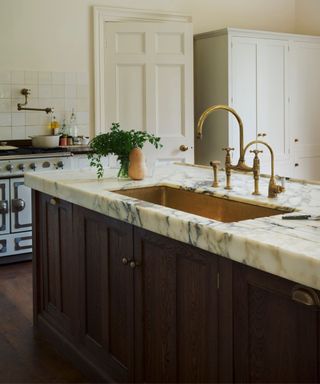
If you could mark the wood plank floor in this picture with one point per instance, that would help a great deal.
(24, 356)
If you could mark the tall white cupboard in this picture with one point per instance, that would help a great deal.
(273, 81)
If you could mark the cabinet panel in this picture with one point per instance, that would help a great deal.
(273, 98)
(176, 332)
(275, 338)
(244, 90)
(106, 291)
(59, 268)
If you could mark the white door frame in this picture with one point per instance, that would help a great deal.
(105, 14)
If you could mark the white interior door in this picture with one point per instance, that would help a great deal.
(149, 83)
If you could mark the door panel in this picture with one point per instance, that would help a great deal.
(176, 318)
(5, 207)
(20, 205)
(106, 295)
(148, 83)
(275, 338)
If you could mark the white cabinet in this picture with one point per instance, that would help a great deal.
(268, 78)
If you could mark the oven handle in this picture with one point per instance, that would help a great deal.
(18, 205)
(3, 207)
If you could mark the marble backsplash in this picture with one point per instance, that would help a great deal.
(63, 91)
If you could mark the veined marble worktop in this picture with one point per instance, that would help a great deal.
(290, 249)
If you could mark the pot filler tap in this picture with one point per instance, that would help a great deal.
(241, 166)
(22, 107)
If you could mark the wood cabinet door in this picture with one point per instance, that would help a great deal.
(106, 292)
(176, 319)
(56, 264)
(276, 339)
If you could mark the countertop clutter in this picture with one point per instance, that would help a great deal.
(286, 248)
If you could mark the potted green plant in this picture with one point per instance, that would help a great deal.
(120, 143)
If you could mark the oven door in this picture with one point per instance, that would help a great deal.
(4, 206)
(20, 205)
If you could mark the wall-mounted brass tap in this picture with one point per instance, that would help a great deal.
(22, 107)
(273, 189)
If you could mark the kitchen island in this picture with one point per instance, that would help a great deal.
(142, 292)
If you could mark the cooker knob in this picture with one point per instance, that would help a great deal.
(33, 166)
(9, 167)
(21, 167)
(60, 164)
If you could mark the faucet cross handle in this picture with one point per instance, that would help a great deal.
(228, 149)
(256, 151)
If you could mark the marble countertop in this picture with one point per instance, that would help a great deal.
(290, 249)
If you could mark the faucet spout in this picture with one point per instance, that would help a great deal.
(241, 166)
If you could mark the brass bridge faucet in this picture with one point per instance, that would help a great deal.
(241, 165)
(273, 189)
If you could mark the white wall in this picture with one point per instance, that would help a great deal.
(308, 17)
(57, 35)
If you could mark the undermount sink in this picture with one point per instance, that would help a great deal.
(208, 206)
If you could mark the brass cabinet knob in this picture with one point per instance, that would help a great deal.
(183, 148)
(132, 264)
(296, 140)
(53, 201)
(296, 165)
(124, 261)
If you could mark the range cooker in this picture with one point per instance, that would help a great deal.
(15, 197)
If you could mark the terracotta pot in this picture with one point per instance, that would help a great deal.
(137, 166)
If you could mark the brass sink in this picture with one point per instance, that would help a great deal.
(208, 206)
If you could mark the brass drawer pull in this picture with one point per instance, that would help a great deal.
(306, 296)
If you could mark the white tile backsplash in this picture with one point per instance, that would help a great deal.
(5, 105)
(63, 91)
(5, 119)
(71, 78)
(58, 91)
(58, 78)
(31, 77)
(44, 78)
(45, 91)
(5, 77)
(17, 77)
(18, 118)
(19, 133)
(5, 91)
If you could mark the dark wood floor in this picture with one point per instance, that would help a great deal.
(24, 356)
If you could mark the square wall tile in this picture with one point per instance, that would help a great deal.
(18, 118)
(82, 105)
(5, 105)
(19, 133)
(33, 118)
(36, 130)
(57, 104)
(44, 78)
(5, 119)
(44, 91)
(5, 91)
(71, 78)
(58, 91)
(82, 91)
(5, 133)
(31, 77)
(5, 77)
(70, 91)
(58, 78)
(17, 77)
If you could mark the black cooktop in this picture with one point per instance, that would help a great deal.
(30, 151)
